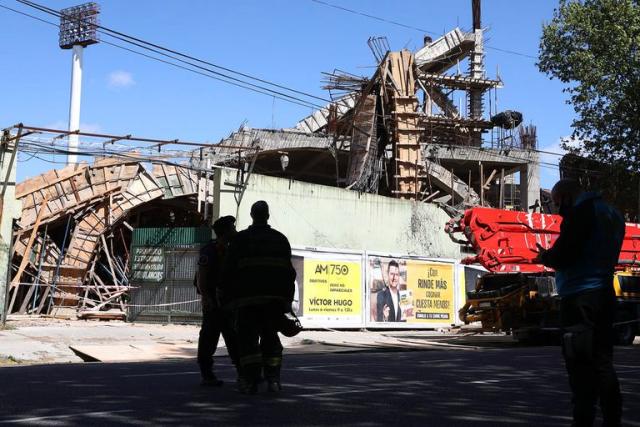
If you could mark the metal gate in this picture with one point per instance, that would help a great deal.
(174, 300)
(170, 297)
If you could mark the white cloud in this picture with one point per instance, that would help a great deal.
(121, 79)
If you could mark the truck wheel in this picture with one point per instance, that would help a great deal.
(626, 333)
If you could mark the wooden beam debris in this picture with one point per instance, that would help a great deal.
(101, 198)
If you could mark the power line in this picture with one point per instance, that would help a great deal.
(377, 18)
(28, 15)
(240, 83)
(307, 105)
(512, 52)
(422, 30)
(216, 78)
(222, 76)
(106, 30)
(175, 55)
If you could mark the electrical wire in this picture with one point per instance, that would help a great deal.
(161, 50)
(377, 18)
(223, 78)
(268, 92)
(422, 30)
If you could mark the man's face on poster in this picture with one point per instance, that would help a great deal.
(394, 277)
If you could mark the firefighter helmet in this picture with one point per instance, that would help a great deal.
(289, 325)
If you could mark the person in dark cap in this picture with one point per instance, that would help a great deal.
(215, 321)
(584, 257)
(259, 277)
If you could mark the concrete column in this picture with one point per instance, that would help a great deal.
(74, 104)
(11, 209)
(529, 183)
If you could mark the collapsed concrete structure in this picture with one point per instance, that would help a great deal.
(400, 132)
(397, 135)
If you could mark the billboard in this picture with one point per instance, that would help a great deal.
(329, 288)
(410, 292)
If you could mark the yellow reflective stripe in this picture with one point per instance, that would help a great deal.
(272, 361)
(251, 359)
(263, 262)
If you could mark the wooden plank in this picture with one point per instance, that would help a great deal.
(32, 185)
(43, 299)
(487, 184)
(26, 254)
(106, 252)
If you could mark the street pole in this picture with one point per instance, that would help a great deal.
(78, 29)
(74, 104)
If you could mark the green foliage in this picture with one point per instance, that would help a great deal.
(593, 47)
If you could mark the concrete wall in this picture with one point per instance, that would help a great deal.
(11, 209)
(319, 216)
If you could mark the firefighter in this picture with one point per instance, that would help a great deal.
(214, 320)
(259, 278)
(584, 257)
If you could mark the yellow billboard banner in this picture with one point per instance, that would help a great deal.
(431, 287)
(410, 290)
(332, 288)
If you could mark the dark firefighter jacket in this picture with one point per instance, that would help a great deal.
(209, 273)
(258, 268)
(586, 252)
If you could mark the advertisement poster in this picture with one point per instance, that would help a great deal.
(329, 288)
(411, 291)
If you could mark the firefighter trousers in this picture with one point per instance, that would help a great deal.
(592, 377)
(215, 322)
(259, 347)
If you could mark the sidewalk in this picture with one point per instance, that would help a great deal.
(43, 340)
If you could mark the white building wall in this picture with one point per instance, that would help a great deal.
(313, 215)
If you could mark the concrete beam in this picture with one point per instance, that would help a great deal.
(476, 154)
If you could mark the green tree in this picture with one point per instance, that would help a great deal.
(593, 47)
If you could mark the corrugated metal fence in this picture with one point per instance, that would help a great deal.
(164, 263)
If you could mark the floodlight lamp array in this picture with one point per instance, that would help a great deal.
(78, 25)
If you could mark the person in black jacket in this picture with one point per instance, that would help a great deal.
(214, 321)
(259, 279)
(584, 257)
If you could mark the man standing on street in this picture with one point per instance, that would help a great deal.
(388, 301)
(584, 257)
(259, 277)
(214, 320)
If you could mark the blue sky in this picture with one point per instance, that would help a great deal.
(286, 41)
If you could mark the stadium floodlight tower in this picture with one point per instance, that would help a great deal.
(78, 26)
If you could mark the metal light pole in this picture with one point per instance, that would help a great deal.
(77, 30)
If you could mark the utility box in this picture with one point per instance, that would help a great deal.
(163, 265)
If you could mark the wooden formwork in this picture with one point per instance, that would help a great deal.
(405, 124)
(87, 201)
(363, 140)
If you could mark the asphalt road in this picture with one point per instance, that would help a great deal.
(488, 387)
